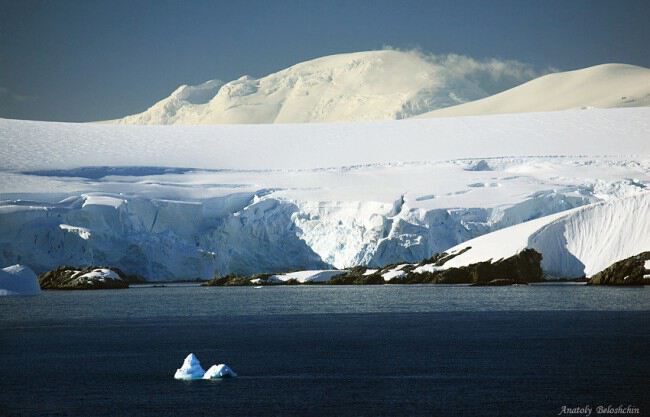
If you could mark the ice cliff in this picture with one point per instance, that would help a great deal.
(18, 280)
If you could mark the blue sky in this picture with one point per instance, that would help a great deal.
(92, 60)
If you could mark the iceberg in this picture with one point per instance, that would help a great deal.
(219, 371)
(190, 370)
(18, 280)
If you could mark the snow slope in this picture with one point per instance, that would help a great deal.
(18, 280)
(601, 86)
(373, 85)
(194, 201)
(575, 243)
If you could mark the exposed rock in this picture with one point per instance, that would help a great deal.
(481, 165)
(357, 276)
(520, 268)
(90, 278)
(439, 259)
(630, 271)
(237, 280)
(498, 283)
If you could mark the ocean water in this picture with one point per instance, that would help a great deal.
(321, 350)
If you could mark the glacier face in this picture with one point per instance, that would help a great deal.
(161, 239)
(376, 234)
(18, 280)
(170, 202)
(372, 85)
(157, 239)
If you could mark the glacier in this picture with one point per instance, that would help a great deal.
(180, 202)
(18, 280)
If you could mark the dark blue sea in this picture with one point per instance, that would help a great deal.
(321, 350)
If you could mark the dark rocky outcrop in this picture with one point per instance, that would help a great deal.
(498, 283)
(72, 278)
(523, 267)
(227, 281)
(238, 280)
(629, 271)
(481, 165)
(356, 276)
(439, 259)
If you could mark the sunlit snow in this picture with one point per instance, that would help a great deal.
(170, 202)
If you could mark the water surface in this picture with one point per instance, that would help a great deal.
(321, 350)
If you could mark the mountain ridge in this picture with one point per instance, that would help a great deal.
(371, 85)
(390, 84)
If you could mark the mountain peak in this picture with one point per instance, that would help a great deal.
(371, 85)
(391, 84)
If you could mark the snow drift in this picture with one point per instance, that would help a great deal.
(575, 243)
(374, 85)
(601, 86)
(18, 280)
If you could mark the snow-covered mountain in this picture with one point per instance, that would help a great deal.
(191, 201)
(388, 84)
(374, 85)
(601, 86)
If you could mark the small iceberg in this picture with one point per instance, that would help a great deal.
(219, 371)
(190, 370)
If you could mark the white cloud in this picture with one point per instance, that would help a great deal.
(492, 75)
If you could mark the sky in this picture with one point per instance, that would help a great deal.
(95, 60)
